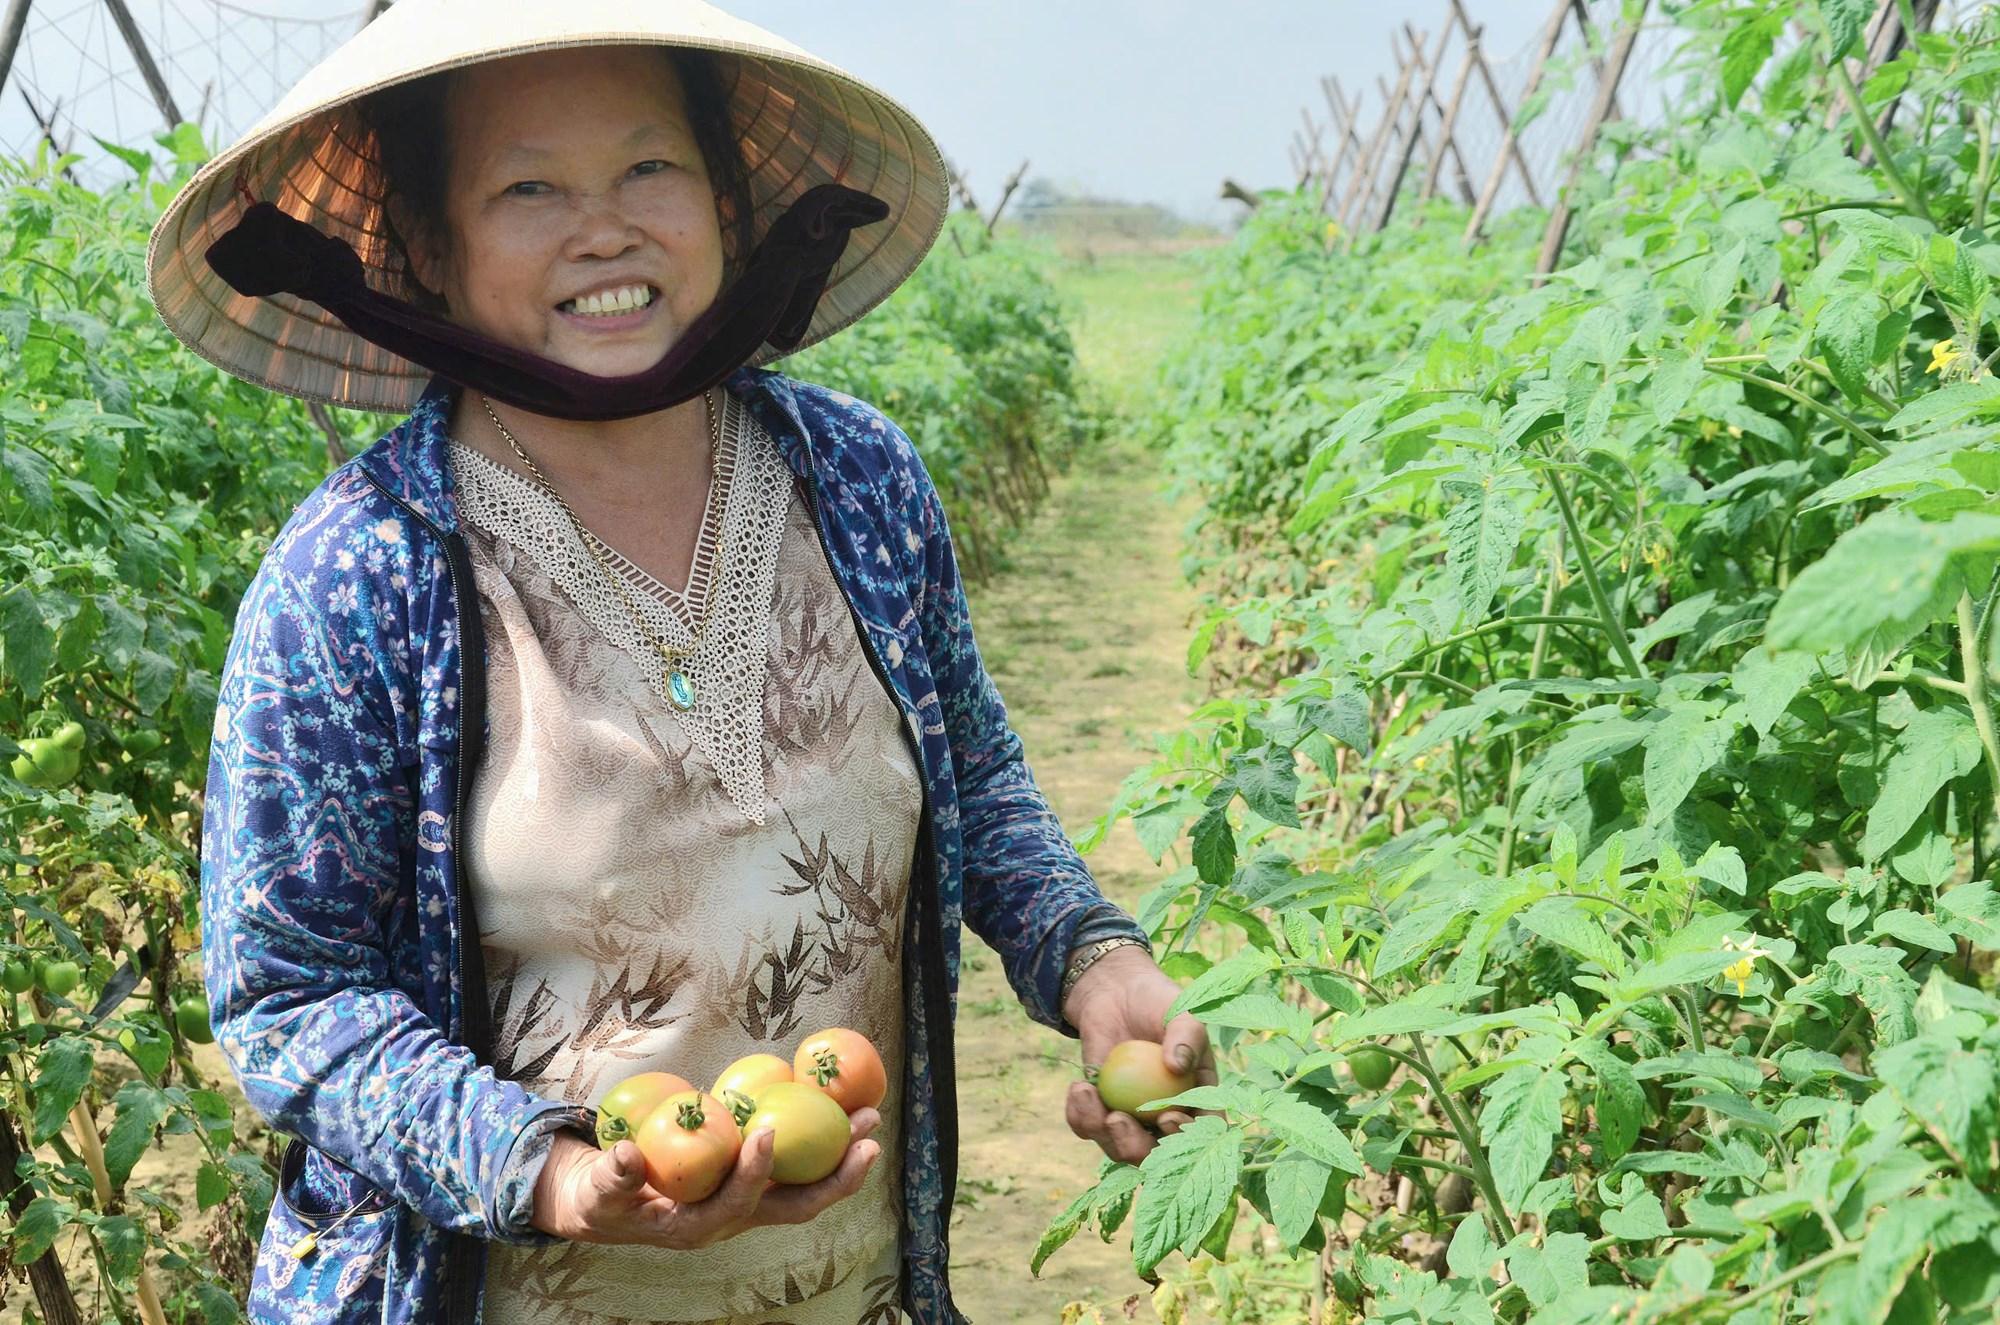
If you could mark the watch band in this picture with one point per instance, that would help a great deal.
(1087, 956)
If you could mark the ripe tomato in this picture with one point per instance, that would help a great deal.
(629, 1103)
(844, 1065)
(690, 1144)
(1135, 1072)
(744, 1080)
(1371, 1067)
(810, 1131)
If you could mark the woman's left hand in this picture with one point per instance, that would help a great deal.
(1125, 996)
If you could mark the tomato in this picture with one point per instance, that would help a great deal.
(844, 1065)
(810, 1131)
(1135, 1072)
(143, 742)
(45, 762)
(690, 1144)
(60, 978)
(631, 1101)
(17, 977)
(744, 1080)
(191, 1015)
(69, 736)
(1371, 1067)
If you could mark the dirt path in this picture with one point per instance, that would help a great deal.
(1085, 635)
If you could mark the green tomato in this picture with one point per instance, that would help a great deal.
(43, 763)
(143, 742)
(69, 736)
(17, 976)
(61, 978)
(191, 1015)
(1371, 1068)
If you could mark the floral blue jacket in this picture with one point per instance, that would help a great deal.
(350, 722)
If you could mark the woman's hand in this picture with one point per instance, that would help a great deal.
(1125, 996)
(589, 1195)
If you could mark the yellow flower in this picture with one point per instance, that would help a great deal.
(1945, 356)
(1739, 972)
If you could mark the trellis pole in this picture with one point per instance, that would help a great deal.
(11, 28)
(1364, 193)
(1600, 109)
(1350, 141)
(136, 43)
(1315, 154)
(1409, 144)
(1449, 127)
(1510, 145)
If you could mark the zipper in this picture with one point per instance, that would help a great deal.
(462, 1304)
(944, 1072)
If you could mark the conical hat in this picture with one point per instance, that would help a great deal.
(800, 121)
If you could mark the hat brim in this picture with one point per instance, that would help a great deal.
(799, 120)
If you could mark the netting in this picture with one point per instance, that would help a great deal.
(75, 77)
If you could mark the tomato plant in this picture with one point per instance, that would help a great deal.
(690, 1144)
(843, 1064)
(809, 1131)
(1602, 721)
(1134, 1073)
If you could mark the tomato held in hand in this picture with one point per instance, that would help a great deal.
(744, 1080)
(631, 1101)
(809, 1131)
(844, 1065)
(690, 1144)
(1135, 1072)
(1371, 1067)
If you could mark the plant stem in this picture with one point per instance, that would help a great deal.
(1535, 659)
(1792, 393)
(1870, 135)
(1596, 587)
(1982, 183)
(1974, 668)
(1796, 1273)
(1468, 1136)
(1500, 623)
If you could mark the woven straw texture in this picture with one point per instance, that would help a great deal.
(801, 122)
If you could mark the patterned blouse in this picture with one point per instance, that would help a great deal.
(662, 890)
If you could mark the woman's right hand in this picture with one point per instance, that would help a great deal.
(589, 1195)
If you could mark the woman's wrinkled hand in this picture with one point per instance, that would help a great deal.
(1125, 996)
(589, 1195)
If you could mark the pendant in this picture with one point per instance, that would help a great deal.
(680, 690)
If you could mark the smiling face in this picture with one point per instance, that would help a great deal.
(579, 221)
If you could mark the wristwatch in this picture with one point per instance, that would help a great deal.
(1087, 956)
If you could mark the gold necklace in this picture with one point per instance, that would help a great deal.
(679, 689)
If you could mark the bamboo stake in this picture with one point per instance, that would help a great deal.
(1607, 90)
(1315, 154)
(85, 1127)
(11, 28)
(1336, 102)
(135, 42)
(1013, 182)
(1358, 182)
(1392, 115)
(45, 1273)
(1510, 145)
(1409, 145)
(1447, 129)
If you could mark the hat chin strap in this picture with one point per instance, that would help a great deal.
(269, 252)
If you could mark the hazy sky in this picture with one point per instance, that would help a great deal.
(1153, 100)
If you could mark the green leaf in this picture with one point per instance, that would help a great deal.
(1973, 911)
(1566, 922)
(1876, 977)
(1678, 752)
(26, 642)
(1295, 1184)
(1472, 1251)
(124, 1244)
(1640, 1220)
(1262, 1012)
(1893, 571)
(36, 1228)
(1949, 405)
(62, 1071)
(1878, 234)
(142, 1107)
(1845, 332)
(1620, 1102)
(1413, 935)
(1188, 1180)
(1938, 745)
(29, 473)
(1950, 1090)
(211, 1185)
(1909, 927)
(1745, 48)
(1482, 530)
(1268, 781)
(1519, 1124)
(1215, 847)
(1309, 1130)
(1225, 980)
(1897, 1244)
(1844, 21)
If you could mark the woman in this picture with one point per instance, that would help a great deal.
(619, 709)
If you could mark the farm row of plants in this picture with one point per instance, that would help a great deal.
(138, 489)
(1586, 858)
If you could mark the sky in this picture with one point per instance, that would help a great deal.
(1145, 100)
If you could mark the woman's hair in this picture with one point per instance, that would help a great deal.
(412, 158)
